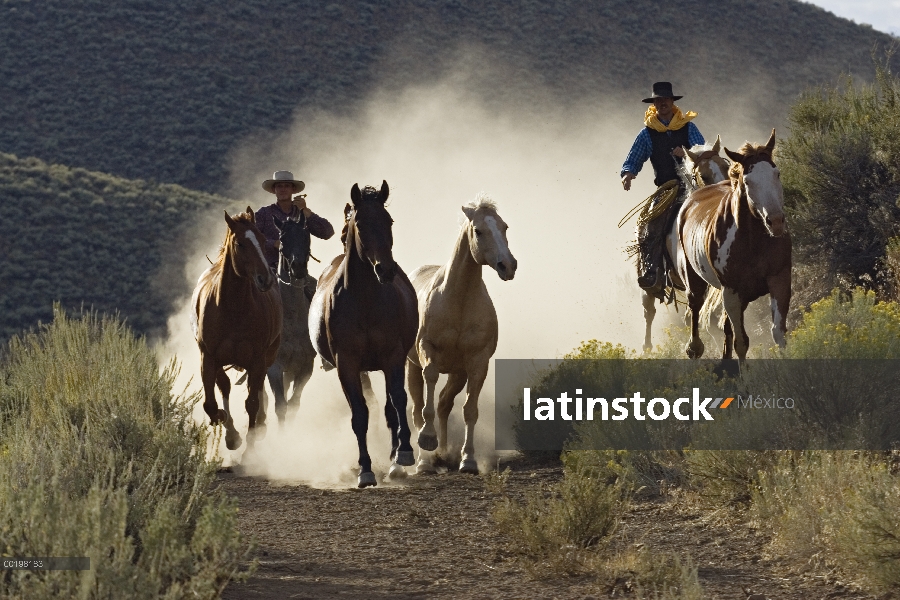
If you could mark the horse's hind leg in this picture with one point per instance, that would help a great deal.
(275, 375)
(729, 340)
(696, 295)
(300, 381)
(359, 419)
(232, 437)
(649, 302)
(256, 430)
(455, 383)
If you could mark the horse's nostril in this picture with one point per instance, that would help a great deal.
(501, 266)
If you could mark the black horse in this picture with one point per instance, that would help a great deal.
(364, 317)
(294, 363)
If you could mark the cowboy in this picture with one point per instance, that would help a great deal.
(284, 186)
(666, 131)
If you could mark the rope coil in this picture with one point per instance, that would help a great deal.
(666, 193)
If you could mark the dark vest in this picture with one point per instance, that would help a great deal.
(661, 157)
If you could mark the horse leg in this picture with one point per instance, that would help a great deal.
(649, 302)
(232, 437)
(395, 410)
(275, 374)
(477, 371)
(696, 291)
(359, 419)
(393, 424)
(780, 298)
(300, 381)
(427, 434)
(455, 383)
(734, 310)
(729, 339)
(416, 384)
(256, 376)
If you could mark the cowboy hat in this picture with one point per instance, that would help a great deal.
(662, 89)
(282, 177)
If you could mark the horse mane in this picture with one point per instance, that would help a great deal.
(369, 193)
(482, 200)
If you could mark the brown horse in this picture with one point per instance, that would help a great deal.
(702, 166)
(237, 321)
(734, 240)
(364, 318)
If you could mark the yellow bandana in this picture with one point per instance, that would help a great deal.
(679, 119)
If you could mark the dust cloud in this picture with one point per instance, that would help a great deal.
(551, 168)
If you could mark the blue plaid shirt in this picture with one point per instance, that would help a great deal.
(642, 147)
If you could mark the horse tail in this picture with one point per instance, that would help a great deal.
(712, 301)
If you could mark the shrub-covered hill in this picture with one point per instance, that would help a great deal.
(89, 239)
(164, 89)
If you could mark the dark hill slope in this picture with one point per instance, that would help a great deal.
(163, 89)
(90, 239)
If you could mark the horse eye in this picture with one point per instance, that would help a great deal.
(477, 231)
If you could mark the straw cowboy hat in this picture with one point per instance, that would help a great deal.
(662, 89)
(280, 177)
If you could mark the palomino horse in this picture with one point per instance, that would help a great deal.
(237, 321)
(364, 318)
(735, 240)
(296, 354)
(702, 166)
(457, 330)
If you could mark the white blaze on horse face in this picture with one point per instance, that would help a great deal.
(249, 235)
(766, 196)
(499, 254)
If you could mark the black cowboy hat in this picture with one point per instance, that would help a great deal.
(662, 89)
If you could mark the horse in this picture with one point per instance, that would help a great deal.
(364, 317)
(702, 166)
(457, 330)
(237, 321)
(735, 240)
(296, 354)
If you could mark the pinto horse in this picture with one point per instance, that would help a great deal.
(457, 330)
(735, 240)
(702, 166)
(237, 321)
(364, 318)
(294, 363)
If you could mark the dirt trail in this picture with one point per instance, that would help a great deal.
(433, 537)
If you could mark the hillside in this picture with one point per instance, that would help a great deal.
(164, 90)
(90, 239)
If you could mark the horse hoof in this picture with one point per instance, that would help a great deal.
(366, 479)
(405, 458)
(257, 434)
(428, 441)
(396, 472)
(468, 465)
(425, 468)
(220, 417)
(233, 440)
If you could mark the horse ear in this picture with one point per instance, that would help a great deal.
(229, 220)
(770, 145)
(694, 157)
(717, 145)
(734, 156)
(355, 195)
(279, 224)
(385, 190)
(469, 212)
(347, 210)
(252, 216)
